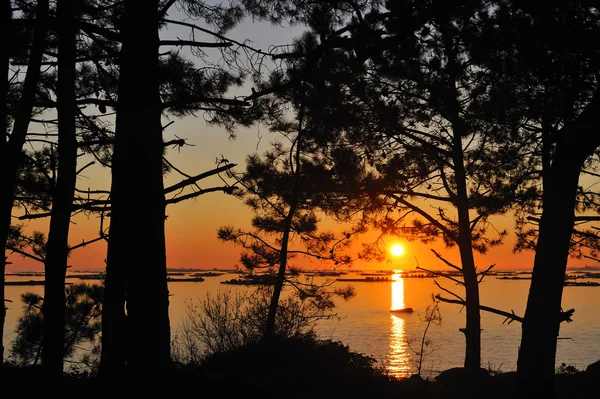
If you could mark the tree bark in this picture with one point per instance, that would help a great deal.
(12, 157)
(136, 258)
(57, 248)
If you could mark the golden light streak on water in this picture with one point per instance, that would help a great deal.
(399, 359)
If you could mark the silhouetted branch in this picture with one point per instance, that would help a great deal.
(225, 189)
(88, 191)
(258, 51)
(163, 11)
(509, 316)
(441, 275)
(27, 255)
(202, 99)
(192, 43)
(85, 167)
(485, 272)
(194, 179)
(426, 215)
(448, 291)
(446, 261)
(84, 243)
(94, 28)
(587, 218)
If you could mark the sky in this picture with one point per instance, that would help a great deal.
(191, 226)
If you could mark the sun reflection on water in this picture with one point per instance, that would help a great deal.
(398, 362)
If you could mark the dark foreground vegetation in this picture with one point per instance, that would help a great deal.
(293, 368)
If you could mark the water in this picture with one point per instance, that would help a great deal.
(367, 326)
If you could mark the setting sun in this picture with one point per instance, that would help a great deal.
(397, 250)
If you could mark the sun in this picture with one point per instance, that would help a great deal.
(397, 250)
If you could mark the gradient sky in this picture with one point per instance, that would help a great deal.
(191, 227)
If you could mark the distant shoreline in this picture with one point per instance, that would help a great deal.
(34, 273)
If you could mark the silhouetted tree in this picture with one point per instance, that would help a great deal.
(170, 84)
(137, 170)
(398, 88)
(284, 189)
(5, 15)
(12, 145)
(83, 304)
(57, 249)
(548, 85)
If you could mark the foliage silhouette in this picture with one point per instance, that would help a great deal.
(83, 304)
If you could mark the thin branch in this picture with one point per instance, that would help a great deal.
(163, 11)
(509, 316)
(192, 43)
(448, 291)
(441, 275)
(225, 189)
(84, 243)
(446, 261)
(485, 272)
(85, 167)
(27, 255)
(201, 176)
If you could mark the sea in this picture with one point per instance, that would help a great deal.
(367, 325)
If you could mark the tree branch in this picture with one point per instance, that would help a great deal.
(509, 316)
(192, 43)
(27, 255)
(201, 176)
(446, 261)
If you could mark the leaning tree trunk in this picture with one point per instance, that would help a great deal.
(57, 248)
(136, 247)
(541, 324)
(12, 158)
(540, 329)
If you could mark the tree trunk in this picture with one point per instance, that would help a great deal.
(136, 248)
(272, 315)
(12, 158)
(57, 248)
(5, 15)
(473, 318)
(541, 324)
(472, 329)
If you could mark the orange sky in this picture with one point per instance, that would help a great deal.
(192, 226)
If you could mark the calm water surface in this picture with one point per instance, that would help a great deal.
(367, 326)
